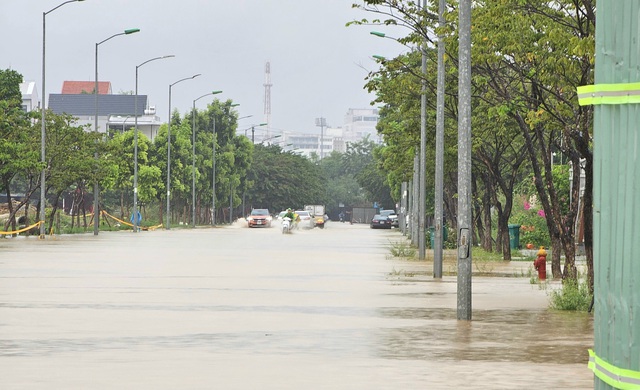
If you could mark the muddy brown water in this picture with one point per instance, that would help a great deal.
(239, 308)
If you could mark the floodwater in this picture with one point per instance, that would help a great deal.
(239, 308)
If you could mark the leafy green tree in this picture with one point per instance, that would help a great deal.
(181, 161)
(232, 159)
(528, 57)
(16, 154)
(360, 162)
(533, 71)
(70, 158)
(341, 187)
(283, 179)
(121, 157)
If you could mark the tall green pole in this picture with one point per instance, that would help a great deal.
(615, 359)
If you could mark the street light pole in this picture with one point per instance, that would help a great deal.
(168, 217)
(124, 122)
(253, 131)
(213, 180)
(96, 186)
(43, 126)
(321, 122)
(136, 220)
(193, 155)
(423, 149)
(439, 174)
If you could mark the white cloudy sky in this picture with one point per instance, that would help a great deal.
(316, 62)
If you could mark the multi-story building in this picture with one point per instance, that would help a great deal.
(359, 123)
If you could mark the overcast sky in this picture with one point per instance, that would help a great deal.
(316, 62)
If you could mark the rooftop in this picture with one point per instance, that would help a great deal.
(85, 105)
(87, 87)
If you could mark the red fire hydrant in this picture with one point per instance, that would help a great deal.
(540, 264)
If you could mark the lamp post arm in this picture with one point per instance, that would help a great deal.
(156, 58)
(125, 32)
(181, 80)
(66, 2)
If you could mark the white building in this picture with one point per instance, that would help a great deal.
(148, 124)
(29, 96)
(359, 123)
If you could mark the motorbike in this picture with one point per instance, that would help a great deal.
(286, 225)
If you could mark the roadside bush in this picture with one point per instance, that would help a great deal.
(402, 249)
(573, 296)
(533, 225)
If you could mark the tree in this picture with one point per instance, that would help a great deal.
(528, 57)
(340, 186)
(360, 161)
(533, 70)
(283, 179)
(16, 154)
(70, 158)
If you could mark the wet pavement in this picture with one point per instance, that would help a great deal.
(238, 308)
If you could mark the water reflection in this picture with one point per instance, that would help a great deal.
(493, 335)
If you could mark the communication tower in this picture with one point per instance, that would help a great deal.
(267, 95)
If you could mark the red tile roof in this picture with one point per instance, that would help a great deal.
(78, 87)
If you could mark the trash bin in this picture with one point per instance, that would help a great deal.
(432, 235)
(514, 236)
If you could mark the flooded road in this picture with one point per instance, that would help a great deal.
(238, 308)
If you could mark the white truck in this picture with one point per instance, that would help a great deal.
(317, 213)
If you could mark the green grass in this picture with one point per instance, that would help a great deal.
(479, 254)
(402, 250)
(573, 296)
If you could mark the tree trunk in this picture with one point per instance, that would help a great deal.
(487, 242)
(54, 210)
(587, 200)
(556, 253)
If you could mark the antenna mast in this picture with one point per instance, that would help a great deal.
(267, 96)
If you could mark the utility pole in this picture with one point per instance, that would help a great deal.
(464, 162)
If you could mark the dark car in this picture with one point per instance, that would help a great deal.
(259, 217)
(380, 222)
(392, 216)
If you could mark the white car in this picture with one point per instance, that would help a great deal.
(306, 221)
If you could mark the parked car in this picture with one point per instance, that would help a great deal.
(306, 221)
(392, 216)
(259, 217)
(380, 222)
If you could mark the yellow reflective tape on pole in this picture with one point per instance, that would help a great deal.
(624, 93)
(616, 377)
(24, 229)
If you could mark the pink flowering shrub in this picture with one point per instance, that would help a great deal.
(533, 225)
